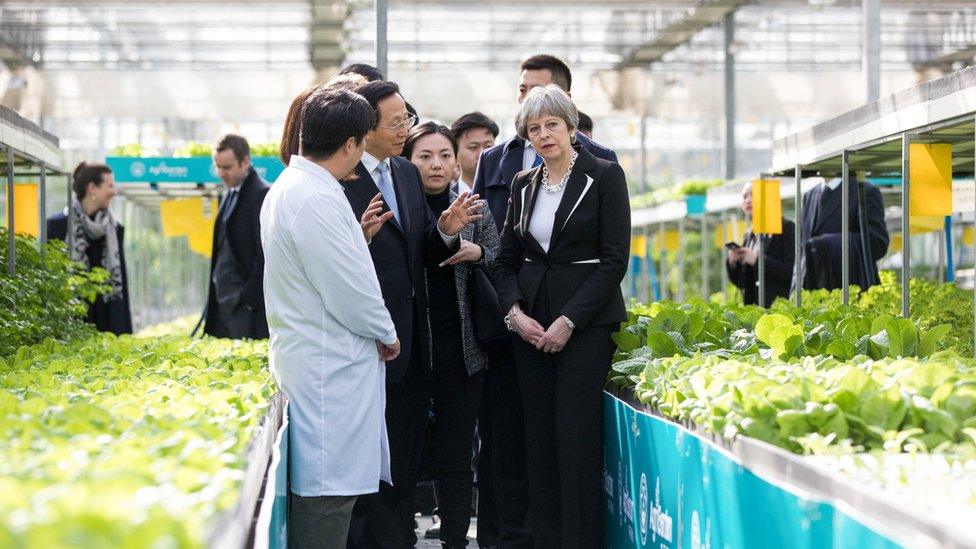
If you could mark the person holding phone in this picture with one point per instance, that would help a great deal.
(742, 262)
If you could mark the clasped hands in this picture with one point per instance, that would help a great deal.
(463, 211)
(552, 340)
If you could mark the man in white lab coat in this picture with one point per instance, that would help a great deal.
(330, 331)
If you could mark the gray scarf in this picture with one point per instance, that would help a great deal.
(83, 230)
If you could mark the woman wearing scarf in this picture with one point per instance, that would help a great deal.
(94, 239)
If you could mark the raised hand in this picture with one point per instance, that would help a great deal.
(464, 210)
(372, 220)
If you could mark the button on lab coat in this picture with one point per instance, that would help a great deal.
(325, 311)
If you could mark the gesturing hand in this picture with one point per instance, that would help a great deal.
(555, 337)
(469, 253)
(388, 352)
(464, 210)
(372, 220)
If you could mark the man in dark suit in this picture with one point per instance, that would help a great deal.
(496, 170)
(235, 301)
(385, 192)
(822, 224)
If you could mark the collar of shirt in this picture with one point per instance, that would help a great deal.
(307, 165)
(832, 184)
(528, 155)
(370, 162)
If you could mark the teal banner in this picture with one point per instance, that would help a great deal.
(197, 169)
(666, 486)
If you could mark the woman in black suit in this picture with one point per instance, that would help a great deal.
(742, 263)
(563, 255)
(94, 239)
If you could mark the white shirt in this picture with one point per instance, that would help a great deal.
(325, 312)
(832, 184)
(528, 156)
(371, 163)
(544, 216)
(462, 187)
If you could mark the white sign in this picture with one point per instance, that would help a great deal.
(963, 196)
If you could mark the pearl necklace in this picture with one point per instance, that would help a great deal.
(552, 189)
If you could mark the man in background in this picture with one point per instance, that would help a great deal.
(475, 133)
(235, 300)
(585, 125)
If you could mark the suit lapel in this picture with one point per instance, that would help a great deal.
(526, 201)
(400, 187)
(579, 185)
(830, 207)
(361, 183)
(512, 161)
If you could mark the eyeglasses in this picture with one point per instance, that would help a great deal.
(406, 123)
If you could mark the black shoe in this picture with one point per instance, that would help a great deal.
(434, 532)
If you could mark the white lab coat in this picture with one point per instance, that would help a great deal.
(325, 311)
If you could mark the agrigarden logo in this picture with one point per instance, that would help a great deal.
(643, 509)
(661, 521)
(137, 169)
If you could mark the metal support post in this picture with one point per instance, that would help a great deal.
(797, 237)
(663, 274)
(723, 273)
(42, 210)
(11, 241)
(906, 235)
(845, 229)
(704, 257)
(643, 184)
(729, 99)
(682, 257)
(761, 238)
(646, 292)
(871, 48)
(381, 37)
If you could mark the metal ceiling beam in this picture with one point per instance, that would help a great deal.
(706, 14)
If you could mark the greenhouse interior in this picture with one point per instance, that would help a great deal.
(236, 234)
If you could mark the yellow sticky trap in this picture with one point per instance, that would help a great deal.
(767, 207)
(969, 236)
(926, 224)
(730, 231)
(669, 240)
(638, 246)
(200, 240)
(181, 217)
(894, 245)
(930, 186)
(26, 215)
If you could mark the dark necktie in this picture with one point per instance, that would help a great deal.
(228, 206)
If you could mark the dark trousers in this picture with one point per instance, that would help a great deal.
(563, 405)
(487, 510)
(320, 522)
(457, 399)
(385, 520)
(505, 433)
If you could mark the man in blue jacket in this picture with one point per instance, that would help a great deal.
(504, 434)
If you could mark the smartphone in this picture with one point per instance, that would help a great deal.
(732, 246)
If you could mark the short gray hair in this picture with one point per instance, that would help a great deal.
(548, 100)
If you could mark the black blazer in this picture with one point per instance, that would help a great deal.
(591, 223)
(116, 315)
(822, 223)
(400, 252)
(780, 255)
(243, 231)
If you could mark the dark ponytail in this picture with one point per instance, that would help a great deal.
(85, 173)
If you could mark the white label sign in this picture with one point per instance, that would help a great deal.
(963, 196)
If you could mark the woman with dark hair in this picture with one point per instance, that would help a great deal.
(458, 360)
(291, 133)
(94, 239)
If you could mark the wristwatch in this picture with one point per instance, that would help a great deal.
(569, 323)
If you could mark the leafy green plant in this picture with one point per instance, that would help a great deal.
(124, 441)
(46, 297)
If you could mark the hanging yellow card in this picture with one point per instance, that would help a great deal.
(930, 185)
(767, 207)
